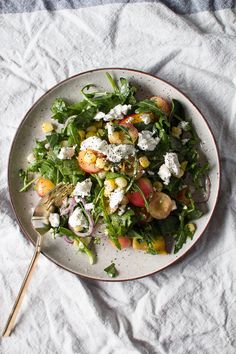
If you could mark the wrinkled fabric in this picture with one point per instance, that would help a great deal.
(189, 307)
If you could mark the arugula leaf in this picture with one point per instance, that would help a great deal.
(184, 232)
(60, 110)
(111, 270)
(59, 106)
(177, 110)
(127, 92)
(111, 175)
(72, 132)
(112, 82)
(146, 106)
(53, 139)
(169, 225)
(82, 246)
(26, 182)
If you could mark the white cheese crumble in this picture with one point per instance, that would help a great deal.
(146, 118)
(54, 219)
(146, 141)
(89, 206)
(170, 167)
(118, 112)
(183, 125)
(164, 174)
(115, 198)
(94, 143)
(172, 163)
(66, 153)
(99, 116)
(78, 218)
(115, 153)
(82, 189)
(121, 209)
(184, 141)
(31, 158)
(110, 128)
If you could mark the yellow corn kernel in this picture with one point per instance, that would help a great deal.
(116, 138)
(100, 162)
(92, 128)
(47, 127)
(89, 134)
(144, 162)
(78, 228)
(90, 157)
(98, 124)
(159, 244)
(64, 143)
(81, 134)
(102, 175)
(110, 184)
(141, 246)
(176, 132)
(183, 165)
(107, 168)
(158, 186)
(107, 192)
(121, 182)
(101, 132)
(191, 227)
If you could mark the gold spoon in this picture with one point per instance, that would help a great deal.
(39, 221)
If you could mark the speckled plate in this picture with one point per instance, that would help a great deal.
(130, 264)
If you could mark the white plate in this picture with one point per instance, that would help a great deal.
(130, 264)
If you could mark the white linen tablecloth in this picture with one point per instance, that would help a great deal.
(189, 307)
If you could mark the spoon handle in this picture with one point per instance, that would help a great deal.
(15, 309)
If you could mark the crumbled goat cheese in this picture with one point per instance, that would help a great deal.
(115, 198)
(78, 218)
(172, 163)
(66, 153)
(110, 128)
(118, 112)
(54, 219)
(89, 206)
(99, 116)
(183, 125)
(146, 118)
(164, 174)
(121, 210)
(82, 189)
(151, 173)
(146, 141)
(94, 143)
(31, 158)
(184, 141)
(47, 146)
(115, 153)
(170, 167)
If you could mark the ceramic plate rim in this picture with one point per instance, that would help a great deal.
(25, 232)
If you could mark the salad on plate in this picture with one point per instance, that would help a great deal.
(136, 167)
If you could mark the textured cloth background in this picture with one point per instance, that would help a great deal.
(187, 308)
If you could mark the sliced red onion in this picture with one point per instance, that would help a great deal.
(91, 223)
(68, 240)
(69, 208)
